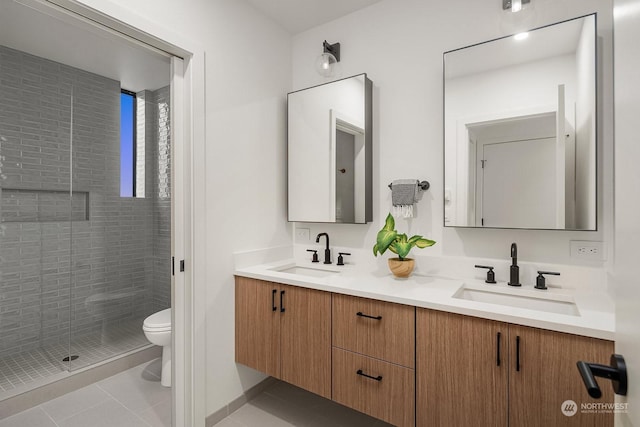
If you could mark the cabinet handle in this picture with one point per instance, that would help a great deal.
(378, 378)
(273, 300)
(498, 349)
(281, 302)
(518, 353)
(368, 317)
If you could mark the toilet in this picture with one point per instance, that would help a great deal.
(157, 329)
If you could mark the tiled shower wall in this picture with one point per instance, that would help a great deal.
(154, 163)
(49, 265)
(161, 199)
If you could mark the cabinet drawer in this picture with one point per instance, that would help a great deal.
(388, 396)
(378, 329)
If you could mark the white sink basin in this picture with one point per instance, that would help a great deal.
(306, 271)
(559, 304)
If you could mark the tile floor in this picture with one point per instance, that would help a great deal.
(284, 405)
(133, 398)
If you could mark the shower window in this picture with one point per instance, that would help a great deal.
(127, 144)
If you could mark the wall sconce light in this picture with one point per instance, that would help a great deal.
(326, 62)
(514, 5)
(519, 16)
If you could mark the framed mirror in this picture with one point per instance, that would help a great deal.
(329, 152)
(520, 130)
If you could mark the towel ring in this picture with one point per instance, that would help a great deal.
(424, 185)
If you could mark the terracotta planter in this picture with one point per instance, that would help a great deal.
(401, 268)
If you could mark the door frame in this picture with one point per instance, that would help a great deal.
(465, 155)
(188, 171)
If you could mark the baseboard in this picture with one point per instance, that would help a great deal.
(235, 404)
(71, 381)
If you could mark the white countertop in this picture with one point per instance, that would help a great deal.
(596, 311)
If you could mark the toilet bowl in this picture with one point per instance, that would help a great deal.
(157, 329)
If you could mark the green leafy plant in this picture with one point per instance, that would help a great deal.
(399, 244)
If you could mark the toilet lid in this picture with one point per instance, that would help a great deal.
(161, 319)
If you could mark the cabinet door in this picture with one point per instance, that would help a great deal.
(258, 325)
(306, 339)
(545, 375)
(378, 329)
(461, 370)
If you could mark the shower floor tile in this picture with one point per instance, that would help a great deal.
(127, 335)
(24, 369)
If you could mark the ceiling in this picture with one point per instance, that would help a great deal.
(297, 16)
(54, 36)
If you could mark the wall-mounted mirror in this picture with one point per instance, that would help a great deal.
(520, 130)
(329, 152)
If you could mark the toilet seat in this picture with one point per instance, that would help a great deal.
(156, 330)
(158, 322)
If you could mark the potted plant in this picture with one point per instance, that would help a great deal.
(399, 244)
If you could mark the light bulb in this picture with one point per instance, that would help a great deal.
(325, 64)
(516, 5)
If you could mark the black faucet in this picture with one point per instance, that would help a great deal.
(514, 270)
(327, 251)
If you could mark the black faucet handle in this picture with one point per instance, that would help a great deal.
(541, 282)
(340, 258)
(491, 276)
(315, 255)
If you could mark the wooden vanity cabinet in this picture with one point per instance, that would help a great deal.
(461, 375)
(473, 371)
(545, 376)
(374, 358)
(285, 332)
(411, 366)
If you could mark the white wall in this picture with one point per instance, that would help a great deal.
(399, 44)
(247, 79)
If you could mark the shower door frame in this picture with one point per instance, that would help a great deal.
(188, 171)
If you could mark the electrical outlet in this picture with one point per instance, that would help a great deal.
(302, 235)
(588, 250)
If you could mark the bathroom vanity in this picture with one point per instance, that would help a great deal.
(421, 351)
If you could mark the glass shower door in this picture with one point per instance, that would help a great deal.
(120, 249)
(35, 219)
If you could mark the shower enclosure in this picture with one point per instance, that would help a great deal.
(81, 263)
